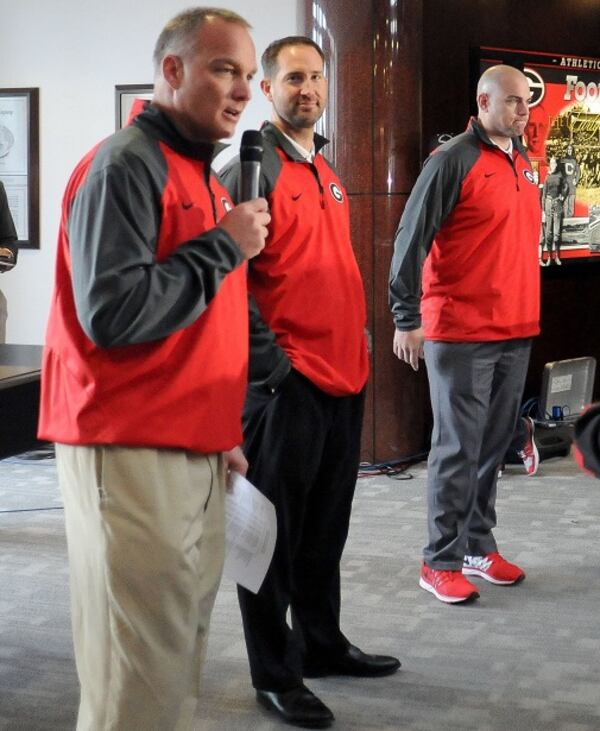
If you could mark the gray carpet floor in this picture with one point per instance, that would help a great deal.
(520, 659)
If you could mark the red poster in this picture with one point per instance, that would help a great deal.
(563, 142)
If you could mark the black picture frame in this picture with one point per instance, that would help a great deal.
(125, 95)
(20, 160)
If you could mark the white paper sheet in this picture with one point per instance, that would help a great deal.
(250, 533)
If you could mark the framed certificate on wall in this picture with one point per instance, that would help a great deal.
(125, 97)
(19, 161)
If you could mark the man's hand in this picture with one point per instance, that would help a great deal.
(408, 346)
(234, 461)
(247, 225)
(7, 259)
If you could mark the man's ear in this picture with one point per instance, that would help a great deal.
(265, 86)
(172, 70)
(483, 101)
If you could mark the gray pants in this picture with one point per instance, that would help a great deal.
(476, 390)
(569, 204)
(553, 209)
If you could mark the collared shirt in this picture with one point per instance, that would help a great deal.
(508, 150)
(308, 155)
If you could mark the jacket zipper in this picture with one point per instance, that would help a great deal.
(211, 195)
(318, 179)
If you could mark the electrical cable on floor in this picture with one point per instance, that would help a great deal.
(531, 408)
(394, 469)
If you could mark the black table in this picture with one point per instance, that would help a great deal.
(19, 398)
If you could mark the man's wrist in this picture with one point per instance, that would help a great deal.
(7, 259)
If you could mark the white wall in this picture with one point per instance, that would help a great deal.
(76, 51)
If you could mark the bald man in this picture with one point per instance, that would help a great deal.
(464, 294)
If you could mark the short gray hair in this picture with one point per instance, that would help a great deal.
(179, 33)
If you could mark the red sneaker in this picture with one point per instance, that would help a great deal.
(448, 586)
(493, 568)
(529, 454)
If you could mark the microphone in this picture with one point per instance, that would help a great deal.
(251, 154)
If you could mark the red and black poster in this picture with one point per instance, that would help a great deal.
(563, 142)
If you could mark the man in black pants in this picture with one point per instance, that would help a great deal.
(303, 415)
(8, 253)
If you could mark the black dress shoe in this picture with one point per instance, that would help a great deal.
(353, 662)
(298, 707)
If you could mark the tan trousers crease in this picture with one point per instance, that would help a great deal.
(145, 535)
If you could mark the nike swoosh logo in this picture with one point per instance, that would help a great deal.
(488, 175)
(295, 197)
(187, 206)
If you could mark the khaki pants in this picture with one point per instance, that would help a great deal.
(145, 534)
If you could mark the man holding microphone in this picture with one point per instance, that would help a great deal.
(144, 376)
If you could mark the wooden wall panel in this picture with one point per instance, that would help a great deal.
(397, 35)
(401, 413)
(402, 419)
(361, 229)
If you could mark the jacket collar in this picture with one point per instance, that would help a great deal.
(157, 123)
(276, 137)
(477, 129)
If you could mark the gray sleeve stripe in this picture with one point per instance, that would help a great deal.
(123, 295)
(431, 201)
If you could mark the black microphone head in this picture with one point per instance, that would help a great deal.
(251, 149)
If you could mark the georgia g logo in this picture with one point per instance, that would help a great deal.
(536, 87)
(529, 175)
(336, 193)
(226, 204)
